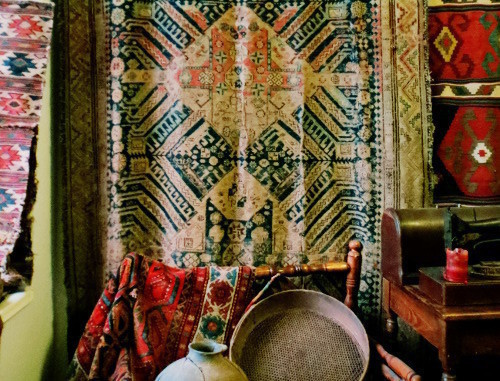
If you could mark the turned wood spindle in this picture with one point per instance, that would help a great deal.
(301, 270)
(353, 277)
(397, 366)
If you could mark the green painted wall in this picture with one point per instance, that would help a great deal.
(33, 344)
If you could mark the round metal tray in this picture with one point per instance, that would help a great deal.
(300, 335)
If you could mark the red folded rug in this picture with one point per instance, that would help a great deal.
(150, 312)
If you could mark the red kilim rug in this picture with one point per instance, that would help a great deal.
(150, 312)
(465, 65)
(25, 30)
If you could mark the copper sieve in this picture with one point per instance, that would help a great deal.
(300, 335)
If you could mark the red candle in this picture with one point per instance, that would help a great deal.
(457, 262)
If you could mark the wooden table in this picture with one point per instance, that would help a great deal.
(455, 331)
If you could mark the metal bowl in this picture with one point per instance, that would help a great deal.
(300, 335)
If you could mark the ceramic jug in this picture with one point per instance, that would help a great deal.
(203, 362)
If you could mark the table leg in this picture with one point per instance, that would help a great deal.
(391, 331)
(448, 364)
(391, 324)
(391, 319)
(448, 377)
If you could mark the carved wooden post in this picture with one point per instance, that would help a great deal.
(397, 366)
(353, 276)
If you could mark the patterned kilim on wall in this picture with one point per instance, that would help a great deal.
(240, 132)
(25, 30)
(465, 64)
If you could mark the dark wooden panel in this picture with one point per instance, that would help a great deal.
(477, 291)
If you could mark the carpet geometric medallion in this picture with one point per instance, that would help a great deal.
(241, 132)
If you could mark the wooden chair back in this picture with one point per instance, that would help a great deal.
(351, 267)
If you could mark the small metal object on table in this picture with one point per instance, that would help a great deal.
(454, 330)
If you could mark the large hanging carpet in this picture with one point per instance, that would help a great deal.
(465, 65)
(25, 31)
(237, 132)
(241, 132)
